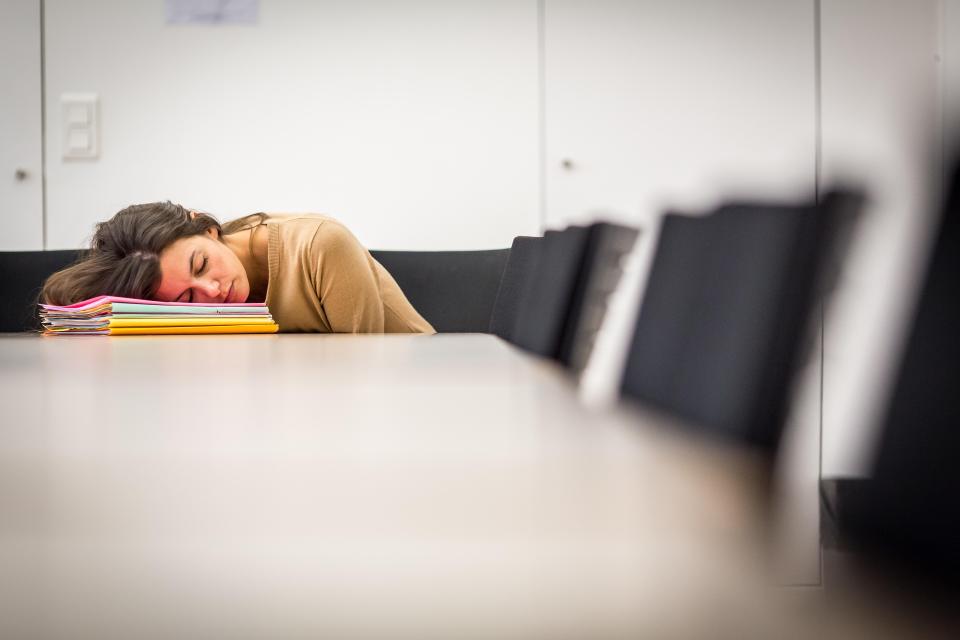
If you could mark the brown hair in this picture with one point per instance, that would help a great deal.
(124, 257)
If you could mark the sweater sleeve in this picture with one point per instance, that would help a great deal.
(346, 281)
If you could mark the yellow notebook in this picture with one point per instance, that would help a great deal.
(240, 328)
(220, 321)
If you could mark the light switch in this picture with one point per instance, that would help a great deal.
(80, 125)
(78, 141)
(78, 114)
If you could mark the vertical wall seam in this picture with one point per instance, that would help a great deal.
(43, 121)
(943, 91)
(542, 109)
(818, 101)
(817, 169)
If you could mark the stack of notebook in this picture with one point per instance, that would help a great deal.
(109, 315)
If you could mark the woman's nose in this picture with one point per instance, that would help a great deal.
(211, 288)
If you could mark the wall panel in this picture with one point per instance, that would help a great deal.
(415, 123)
(21, 165)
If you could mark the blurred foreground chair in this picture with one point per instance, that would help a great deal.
(726, 309)
(453, 290)
(906, 515)
(21, 275)
(565, 294)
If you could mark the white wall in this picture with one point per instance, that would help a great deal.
(21, 198)
(676, 104)
(415, 123)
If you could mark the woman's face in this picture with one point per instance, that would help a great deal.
(202, 269)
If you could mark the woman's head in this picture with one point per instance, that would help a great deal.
(156, 251)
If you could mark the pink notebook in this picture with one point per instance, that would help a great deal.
(101, 300)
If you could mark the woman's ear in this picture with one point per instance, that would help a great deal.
(213, 233)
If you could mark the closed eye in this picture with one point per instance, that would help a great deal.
(189, 292)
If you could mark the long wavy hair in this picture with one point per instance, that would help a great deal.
(124, 256)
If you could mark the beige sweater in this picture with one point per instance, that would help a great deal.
(323, 280)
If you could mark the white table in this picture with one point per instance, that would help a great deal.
(351, 486)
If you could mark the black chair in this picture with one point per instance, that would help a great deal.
(566, 294)
(21, 275)
(906, 515)
(519, 270)
(720, 328)
(600, 272)
(549, 290)
(453, 290)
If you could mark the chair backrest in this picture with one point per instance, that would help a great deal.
(519, 270)
(908, 512)
(454, 290)
(720, 327)
(549, 292)
(601, 267)
(22, 274)
(565, 296)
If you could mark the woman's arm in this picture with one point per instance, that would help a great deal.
(346, 281)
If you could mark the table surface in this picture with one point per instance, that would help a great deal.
(350, 486)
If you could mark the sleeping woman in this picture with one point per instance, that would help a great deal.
(310, 270)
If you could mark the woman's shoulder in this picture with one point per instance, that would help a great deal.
(311, 231)
(296, 224)
(288, 219)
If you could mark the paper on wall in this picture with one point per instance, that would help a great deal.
(212, 11)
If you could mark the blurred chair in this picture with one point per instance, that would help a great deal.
(454, 290)
(565, 297)
(22, 274)
(907, 514)
(545, 302)
(725, 311)
(519, 270)
(600, 273)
